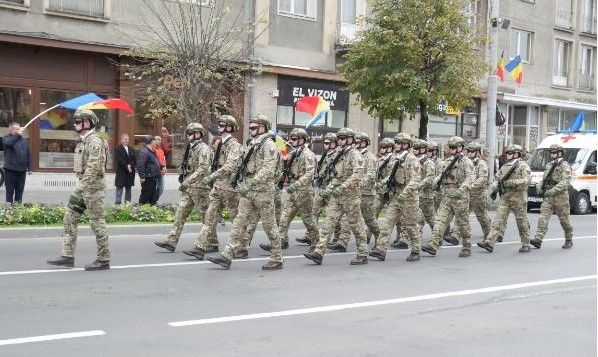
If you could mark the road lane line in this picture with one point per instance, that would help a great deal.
(366, 304)
(265, 258)
(60, 336)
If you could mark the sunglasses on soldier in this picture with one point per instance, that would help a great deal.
(222, 124)
(78, 121)
(294, 138)
(254, 127)
(189, 133)
(327, 142)
(342, 137)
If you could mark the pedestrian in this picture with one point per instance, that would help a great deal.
(126, 160)
(148, 169)
(158, 149)
(257, 186)
(194, 168)
(554, 188)
(17, 162)
(512, 183)
(90, 167)
(166, 145)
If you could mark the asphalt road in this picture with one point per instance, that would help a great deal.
(156, 304)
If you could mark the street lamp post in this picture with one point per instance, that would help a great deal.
(492, 88)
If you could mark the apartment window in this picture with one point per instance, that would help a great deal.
(302, 8)
(93, 8)
(588, 16)
(560, 63)
(586, 75)
(564, 14)
(18, 2)
(521, 44)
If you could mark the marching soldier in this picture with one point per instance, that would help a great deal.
(456, 180)
(555, 189)
(194, 168)
(512, 182)
(345, 198)
(403, 182)
(223, 194)
(257, 185)
(477, 194)
(426, 187)
(90, 167)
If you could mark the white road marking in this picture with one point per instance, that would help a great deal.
(60, 336)
(366, 304)
(155, 265)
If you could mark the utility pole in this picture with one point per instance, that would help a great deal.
(492, 88)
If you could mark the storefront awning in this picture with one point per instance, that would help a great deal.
(515, 98)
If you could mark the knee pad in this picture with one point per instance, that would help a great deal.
(77, 204)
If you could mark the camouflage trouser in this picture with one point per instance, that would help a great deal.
(368, 212)
(477, 204)
(342, 230)
(350, 206)
(426, 206)
(94, 202)
(449, 208)
(252, 223)
(190, 198)
(401, 213)
(260, 204)
(218, 199)
(558, 204)
(517, 204)
(299, 202)
(378, 206)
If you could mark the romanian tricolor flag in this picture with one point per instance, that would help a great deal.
(515, 68)
(500, 68)
(282, 146)
(315, 106)
(114, 103)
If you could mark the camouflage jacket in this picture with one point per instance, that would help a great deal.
(560, 177)
(301, 172)
(408, 175)
(428, 174)
(90, 162)
(348, 171)
(480, 181)
(229, 159)
(262, 165)
(200, 159)
(368, 182)
(461, 175)
(521, 177)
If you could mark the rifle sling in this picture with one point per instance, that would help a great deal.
(382, 167)
(510, 173)
(449, 168)
(548, 177)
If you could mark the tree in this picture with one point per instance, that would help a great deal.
(189, 56)
(413, 55)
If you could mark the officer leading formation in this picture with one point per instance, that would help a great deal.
(407, 181)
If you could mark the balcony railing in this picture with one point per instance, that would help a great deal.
(586, 81)
(93, 8)
(563, 19)
(588, 24)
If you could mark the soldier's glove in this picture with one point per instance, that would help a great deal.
(338, 191)
(291, 188)
(539, 189)
(550, 193)
(208, 180)
(183, 187)
(509, 184)
(436, 181)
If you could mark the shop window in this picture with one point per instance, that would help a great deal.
(15, 106)
(57, 135)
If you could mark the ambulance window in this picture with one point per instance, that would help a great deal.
(591, 165)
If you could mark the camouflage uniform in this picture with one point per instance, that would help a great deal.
(556, 199)
(426, 191)
(384, 168)
(477, 195)
(455, 200)
(513, 199)
(404, 200)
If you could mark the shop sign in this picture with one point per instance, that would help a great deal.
(291, 88)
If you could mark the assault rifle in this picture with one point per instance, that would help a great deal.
(184, 168)
(326, 177)
(286, 171)
(501, 183)
(242, 169)
(547, 181)
(445, 174)
(391, 184)
(216, 158)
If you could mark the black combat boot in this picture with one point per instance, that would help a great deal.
(428, 249)
(164, 244)
(270, 265)
(212, 249)
(378, 254)
(68, 262)
(499, 239)
(399, 245)
(195, 252)
(240, 254)
(486, 246)
(413, 257)
(220, 260)
(568, 244)
(337, 248)
(464, 253)
(98, 265)
(314, 257)
(536, 243)
(304, 240)
(525, 249)
(450, 239)
(360, 260)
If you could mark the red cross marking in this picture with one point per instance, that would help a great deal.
(567, 138)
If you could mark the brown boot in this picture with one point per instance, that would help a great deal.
(165, 245)
(378, 254)
(536, 242)
(270, 265)
(240, 254)
(428, 249)
(413, 257)
(400, 245)
(464, 253)
(220, 260)
(195, 252)
(360, 260)
(568, 244)
(212, 249)
(98, 265)
(314, 257)
(68, 262)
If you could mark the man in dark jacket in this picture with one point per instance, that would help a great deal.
(148, 169)
(17, 162)
(126, 161)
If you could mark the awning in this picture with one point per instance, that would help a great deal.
(516, 98)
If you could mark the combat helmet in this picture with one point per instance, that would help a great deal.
(362, 137)
(514, 149)
(86, 114)
(420, 144)
(229, 120)
(299, 132)
(196, 128)
(455, 141)
(403, 138)
(555, 147)
(432, 145)
(474, 146)
(329, 136)
(345, 132)
(261, 119)
(387, 142)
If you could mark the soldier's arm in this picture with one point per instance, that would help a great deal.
(310, 168)
(429, 171)
(469, 176)
(480, 181)
(370, 171)
(413, 185)
(563, 184)
(354, 179)
(524, 176)
(203, 168)
(233, 160)
(268, 168)
(96, 160)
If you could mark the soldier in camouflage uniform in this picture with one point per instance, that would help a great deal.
(455, 180)
(196, 166)
(90, 167)
(403, 183)
(477, 194)
(299, 173)
(555, 189)
(367, 188)
(426, 187)
(224, 165)
(345, 198)
(257, 185)
(512, 182)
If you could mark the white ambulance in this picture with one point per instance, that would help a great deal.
(580, 153)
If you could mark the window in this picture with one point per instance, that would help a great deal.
(521, 44)
(560, 63)
(18, 2)
(564, 14)
(588, 16)
(302, 8)
(586, 75)
(15, 105)
(93, 8)
(567, 116)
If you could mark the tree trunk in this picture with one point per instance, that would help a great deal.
(423, 120)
